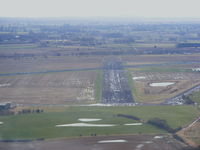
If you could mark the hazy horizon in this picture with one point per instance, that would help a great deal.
(103, 8)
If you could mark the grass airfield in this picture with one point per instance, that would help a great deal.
(33, 126)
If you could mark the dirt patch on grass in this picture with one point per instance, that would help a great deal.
(191, 135)
(152, 88)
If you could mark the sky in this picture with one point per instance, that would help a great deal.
(100, 8)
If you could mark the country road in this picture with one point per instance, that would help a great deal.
(178, 98)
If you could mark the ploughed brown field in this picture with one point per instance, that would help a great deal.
(191, 135)
(131, 142)
(50, 88)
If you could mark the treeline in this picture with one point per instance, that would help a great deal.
(23, 111)
(31, 140)
(157, 122)
(192, 148)
(162, 124)
(102, 52)
(182, 45)
(129, 117)
(30, 111)
(6, 112)
(187, 100)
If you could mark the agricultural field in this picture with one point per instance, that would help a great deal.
(147, 142)
(51, 63)
(52, 80)
(165, 58)
(50, 88)
(192, 135)
(71, 79)
(80, 85)
(67, 123)
(145, 89)
(195, 97)
(154, 83)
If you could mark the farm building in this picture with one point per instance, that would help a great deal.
(5, 106)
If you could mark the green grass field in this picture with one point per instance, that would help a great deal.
(134, 45)
(18, 46)
(131, 84)
(31, 126)
(98, 85)
(138, 96)
(138, 88)
(163, 69)
(195, 97)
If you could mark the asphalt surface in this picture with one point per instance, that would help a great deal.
(178, 100)
(115, 84)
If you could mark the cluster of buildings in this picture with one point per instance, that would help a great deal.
(195, 69)
(6, 106)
